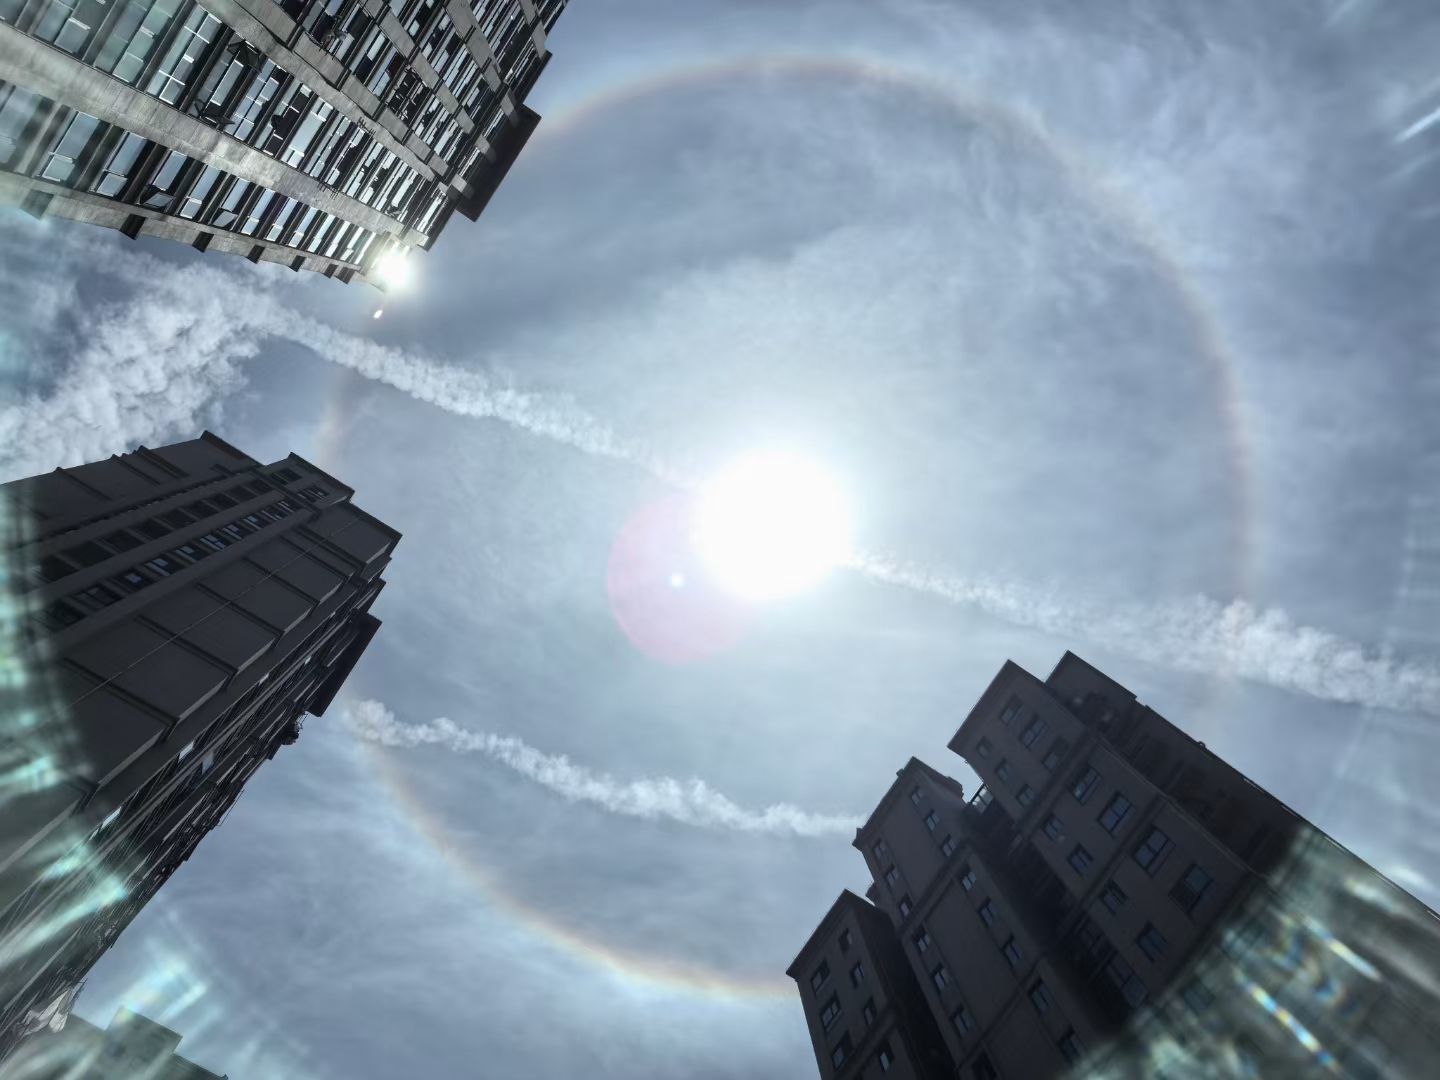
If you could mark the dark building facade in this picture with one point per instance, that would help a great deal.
(133, 1046)
(1115, 900)
(172, 615)
(327, 135)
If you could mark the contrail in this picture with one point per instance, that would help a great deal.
(155, 364)
(1198, 634)
(689, 802)
(161, 358)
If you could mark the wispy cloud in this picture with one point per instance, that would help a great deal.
(689, 801)
(1197, 634)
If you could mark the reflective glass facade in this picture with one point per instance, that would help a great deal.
(324, 134)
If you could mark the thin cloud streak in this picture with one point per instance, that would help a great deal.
(1198, 634)
(690, 801)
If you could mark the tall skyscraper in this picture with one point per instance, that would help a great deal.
(323, 134)
(173, 614)
(1118, 898)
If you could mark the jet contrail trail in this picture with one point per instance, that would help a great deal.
(1198, 634)
(689, 802)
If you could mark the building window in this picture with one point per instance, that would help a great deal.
(1040, 996)
(982, 799)
(932, 819)
(1198, 996)
(1070, 1046)
(921, 938)
(1191, 888)
(915, 795)
(122, 540)
(213, 541)
(1033, 730)
(60, 615)
(1113, 897)
(163, 565)
(948, 846)
(983, 747)
(962, 1021)
(1080, 859)
(939, 976)
(867, 1011)
(830, 1012)
(1002, 770)
(1152, 943)
(857, 974)
(1116, 811)
(844, 940)
(892, 876)
(1026, 795)
(820, 974)
(986, 911)
(841, 1053)
(1122, 976)
(1153, 850)
(1055, 755)
(53, 568)
(86, 554)
(983, 1070)
(1011, 708)
(881, 850)
(133, 580)
(1011, 952)
(905, 906)
(966, 877)
(1248, 936)
(884, 1058)
(96, 597)
(1054, 828)
(1084, 784)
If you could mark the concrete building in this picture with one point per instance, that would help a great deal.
(327, 135)
(852, 967)
(133, 1047)
(1118, 901)
(176, 613)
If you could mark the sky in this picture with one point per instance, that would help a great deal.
(1117, 321)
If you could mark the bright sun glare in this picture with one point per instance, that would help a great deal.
(393, 269)
(772, 524)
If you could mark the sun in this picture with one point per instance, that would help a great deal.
(393, 269)
(772, 524)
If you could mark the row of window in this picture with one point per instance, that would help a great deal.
(181, 54)
(86, 154)
(91, 552)
(113, 589)
(355, 38)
